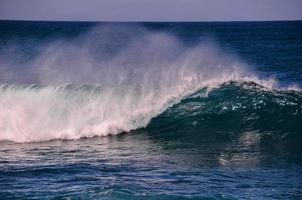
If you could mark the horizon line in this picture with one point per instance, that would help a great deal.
(151, 21)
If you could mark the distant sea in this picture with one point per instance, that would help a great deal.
(208, 110)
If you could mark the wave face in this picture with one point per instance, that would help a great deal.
(89, 86)
(236, 108)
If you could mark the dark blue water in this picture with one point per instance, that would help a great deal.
(150, 110)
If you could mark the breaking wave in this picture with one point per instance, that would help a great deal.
(90, 86)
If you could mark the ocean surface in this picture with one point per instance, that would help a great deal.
(150, 110)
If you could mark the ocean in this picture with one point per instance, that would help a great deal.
(182, 110)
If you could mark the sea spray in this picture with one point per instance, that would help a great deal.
(93, 86)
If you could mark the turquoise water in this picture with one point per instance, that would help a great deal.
(150, 110)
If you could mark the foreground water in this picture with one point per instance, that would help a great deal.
(185, 110)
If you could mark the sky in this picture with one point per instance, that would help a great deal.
(151, 10)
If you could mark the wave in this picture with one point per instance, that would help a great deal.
(41, 113)
(90, 86)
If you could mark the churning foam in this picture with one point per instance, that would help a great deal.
(90, 87)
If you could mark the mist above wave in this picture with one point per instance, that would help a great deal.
(109, 80)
